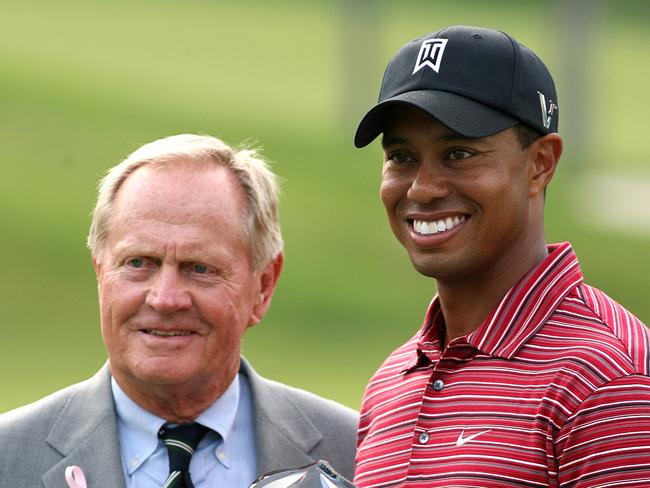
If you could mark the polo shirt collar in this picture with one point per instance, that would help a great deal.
(428, 347)
(520, 314)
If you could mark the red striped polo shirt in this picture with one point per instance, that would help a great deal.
(553, 389)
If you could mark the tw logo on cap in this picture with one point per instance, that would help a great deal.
(430, 54)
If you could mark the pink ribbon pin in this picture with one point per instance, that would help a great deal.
(75, 478)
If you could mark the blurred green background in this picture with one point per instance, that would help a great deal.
(83, 83)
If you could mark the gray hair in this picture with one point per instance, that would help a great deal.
(262, 227)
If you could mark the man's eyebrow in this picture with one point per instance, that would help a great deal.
(391, 140)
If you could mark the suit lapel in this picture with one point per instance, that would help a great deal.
(86, 432)
(284, 435)
(86, 435)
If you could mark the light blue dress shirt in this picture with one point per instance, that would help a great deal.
(225, 457)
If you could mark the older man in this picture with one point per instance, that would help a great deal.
(521, 374)
(187, 250)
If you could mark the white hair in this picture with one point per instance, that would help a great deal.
(262, 228)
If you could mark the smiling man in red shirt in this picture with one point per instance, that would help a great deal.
(521, 374)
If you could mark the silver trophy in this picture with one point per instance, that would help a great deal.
(317, 475)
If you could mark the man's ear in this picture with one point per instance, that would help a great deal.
(268, 279)
(545, 154)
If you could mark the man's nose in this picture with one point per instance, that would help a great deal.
(168, 292)
(430, 183)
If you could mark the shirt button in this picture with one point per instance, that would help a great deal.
(424, 438)
(438, 385)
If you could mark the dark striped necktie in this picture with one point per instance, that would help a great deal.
(181, 442)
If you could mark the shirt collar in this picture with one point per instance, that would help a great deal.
(220, 417)
(142, 426)
(519, 315)
(427, 339)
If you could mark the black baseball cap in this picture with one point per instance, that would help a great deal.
(474, 80)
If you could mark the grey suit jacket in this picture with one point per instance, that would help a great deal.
(77, 426)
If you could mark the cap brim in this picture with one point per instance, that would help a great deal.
(460, 114)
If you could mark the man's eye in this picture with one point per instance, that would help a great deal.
(400, 158)
(199, 268)
(136, 262)
(458, 154)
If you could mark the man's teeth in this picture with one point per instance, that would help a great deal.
(168, 333)
(433, 227)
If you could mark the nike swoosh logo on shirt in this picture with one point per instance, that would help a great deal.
(461, 441)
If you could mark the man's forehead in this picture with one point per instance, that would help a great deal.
(155, 241)
(179, 195)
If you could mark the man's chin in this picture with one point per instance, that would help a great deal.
(160, 375)
(443, 271)
(157, 372)
(427, 266)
